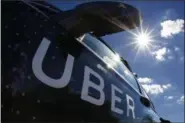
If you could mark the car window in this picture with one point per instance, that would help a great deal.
(111, 59)
(143, 92)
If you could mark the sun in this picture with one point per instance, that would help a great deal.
(143, 40)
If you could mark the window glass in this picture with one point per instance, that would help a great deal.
(144, 93)
(111, 59)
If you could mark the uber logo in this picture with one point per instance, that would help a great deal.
(37, 67)
(64, 80)
(88, 83)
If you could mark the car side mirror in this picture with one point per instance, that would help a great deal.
(126, 63)
(164, 121)
(145, 101)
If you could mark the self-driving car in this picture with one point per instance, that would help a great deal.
(57, 68)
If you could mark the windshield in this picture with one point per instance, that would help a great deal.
(112, 59)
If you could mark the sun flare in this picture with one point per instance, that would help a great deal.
(143, 40)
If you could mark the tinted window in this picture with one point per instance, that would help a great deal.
(111, 59)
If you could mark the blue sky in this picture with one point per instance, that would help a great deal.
(161, 72)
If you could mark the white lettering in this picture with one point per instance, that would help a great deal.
(37, 67)
(130, 107)
(88, 83)
(115, 98)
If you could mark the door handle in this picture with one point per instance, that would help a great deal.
(145, 101)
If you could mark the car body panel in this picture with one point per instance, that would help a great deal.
(39, 55)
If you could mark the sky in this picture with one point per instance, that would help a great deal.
(160, 70)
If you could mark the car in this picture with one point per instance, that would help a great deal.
(57, 68)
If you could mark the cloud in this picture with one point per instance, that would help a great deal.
(172, 27)
(155, 88)
(155, 47)
(160, 54)
(170, 54)
(181, 100)
(168, 97)
(151, 87)
(144, 80)
(182, 58)
(166, 86)
(179, 54)
(163, 54)
(170, 57)
(176, 48)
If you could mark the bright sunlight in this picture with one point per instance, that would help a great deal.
(143, 40)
